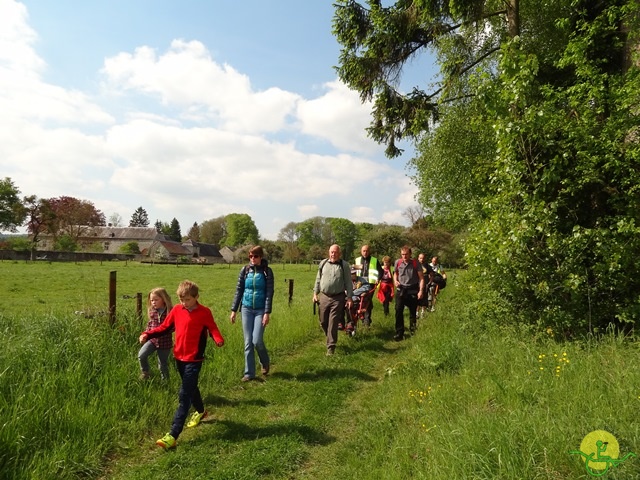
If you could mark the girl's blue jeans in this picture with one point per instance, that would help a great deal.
(253, 340)
(163, 358)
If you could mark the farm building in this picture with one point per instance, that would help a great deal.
(203, 252)
(107, 239)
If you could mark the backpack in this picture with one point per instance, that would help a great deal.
(415, 264)
(324, 262)
(247, 268)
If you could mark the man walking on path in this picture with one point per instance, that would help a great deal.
(368, 267)
(409, 282)
(332, 287)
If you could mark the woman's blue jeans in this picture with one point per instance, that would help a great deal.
(253, 340)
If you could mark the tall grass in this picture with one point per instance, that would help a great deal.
(469, 396)
(70, 397)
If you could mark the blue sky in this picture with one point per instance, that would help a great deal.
(190, 109)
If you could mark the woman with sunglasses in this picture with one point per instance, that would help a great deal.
(254, 294)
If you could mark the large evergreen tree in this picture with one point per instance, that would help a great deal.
(140, 218)
(174, 231)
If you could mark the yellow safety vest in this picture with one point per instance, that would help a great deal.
(373, 269)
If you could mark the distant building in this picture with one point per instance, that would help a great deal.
(203, 252)
(167, 251)
(108, 239)
(228, 254)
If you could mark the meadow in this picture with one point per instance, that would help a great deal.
(469, 396)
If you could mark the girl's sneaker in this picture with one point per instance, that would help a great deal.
(167, 442)
(195, 418)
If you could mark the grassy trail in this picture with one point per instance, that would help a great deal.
(469, 396)
(294, 424)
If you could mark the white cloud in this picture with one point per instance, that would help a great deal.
(307, 211)
(187, 77)
(185, 137)
(319, 117)
(17, 39)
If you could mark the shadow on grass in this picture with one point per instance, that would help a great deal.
(238, 432)
(325, 374)
(215, 401)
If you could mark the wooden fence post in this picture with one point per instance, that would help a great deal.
(112, 298)
(290, 280)
(139, 305)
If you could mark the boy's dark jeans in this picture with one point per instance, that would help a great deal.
(189, 394)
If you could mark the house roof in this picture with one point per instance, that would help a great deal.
(174, 248)
(205, 249)
(126, 233)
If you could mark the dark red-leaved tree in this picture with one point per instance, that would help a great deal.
(71, 216)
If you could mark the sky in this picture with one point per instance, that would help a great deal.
(191, 110)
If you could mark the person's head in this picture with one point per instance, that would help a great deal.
(158, 298)
(188, 292)
(334, 253)
(365, 251)
(354, 274)
(405, 252)
(421, 257)
(255, 255)
(434, 260)
(386, 260)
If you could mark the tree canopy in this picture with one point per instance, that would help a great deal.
(12, 213)
(528, 140)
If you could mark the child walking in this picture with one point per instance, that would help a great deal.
(193, 323)
(158, 307)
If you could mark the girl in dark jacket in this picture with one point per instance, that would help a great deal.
(254, 293)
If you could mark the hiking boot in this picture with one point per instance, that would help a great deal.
(195, 418)
(144, 376)
(398, 338)
(246, 378)
(330, 352)
(167, 442)
(265, 370)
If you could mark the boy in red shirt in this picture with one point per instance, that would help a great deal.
(193, 323)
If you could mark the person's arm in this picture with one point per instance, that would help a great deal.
(346, 277)
(213, 328)
(268, 301)
(167, 324)
(396, 281)
(316, 285)
(237, 298)
(421, 277)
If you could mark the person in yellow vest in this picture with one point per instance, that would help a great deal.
(370, 268)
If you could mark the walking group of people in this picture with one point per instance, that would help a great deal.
(336, 280)
(193, 323)
(338, 284)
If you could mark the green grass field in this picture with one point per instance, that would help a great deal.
(466, 397)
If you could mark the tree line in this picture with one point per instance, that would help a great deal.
(67, 219)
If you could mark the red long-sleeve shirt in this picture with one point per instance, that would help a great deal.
(192, 329)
